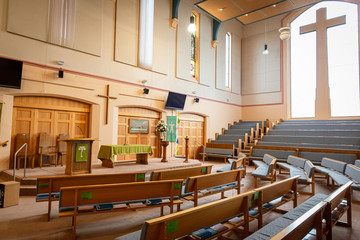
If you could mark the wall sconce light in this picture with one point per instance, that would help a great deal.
(196, 100)
(266, 51)
(192, 26)
(61, 72)
(146, 91)
(284, 33)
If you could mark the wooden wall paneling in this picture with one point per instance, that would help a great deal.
(55, 116)
(125, 115)
(192, 126)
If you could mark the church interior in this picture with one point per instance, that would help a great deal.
(179, 119)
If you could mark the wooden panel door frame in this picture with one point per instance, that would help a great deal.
(193, 117)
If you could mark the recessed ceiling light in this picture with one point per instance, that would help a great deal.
(221, 9)
(274, 5)
(246, 15)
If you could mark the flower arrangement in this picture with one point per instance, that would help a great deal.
(161, 128)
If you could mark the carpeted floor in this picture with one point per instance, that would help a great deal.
(28, 220)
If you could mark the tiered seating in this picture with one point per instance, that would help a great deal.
(240, 134)
(313, 140)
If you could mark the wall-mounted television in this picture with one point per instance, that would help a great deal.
(10, 73)
(175, 101)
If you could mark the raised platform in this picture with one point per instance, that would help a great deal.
(28, 183)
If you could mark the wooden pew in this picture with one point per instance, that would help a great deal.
(188, 221)
(48, 187)
(180, 173)
(218, 150)
(302, 226)
(211, 182)
(112, 194)
(274, 191)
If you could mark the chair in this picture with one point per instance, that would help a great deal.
(61, 147)
(20, 140)
(46, 149)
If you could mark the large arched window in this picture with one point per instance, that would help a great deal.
(325, 61)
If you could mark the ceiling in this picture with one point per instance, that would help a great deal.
(250, 11)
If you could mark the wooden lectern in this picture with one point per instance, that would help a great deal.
(78, 155)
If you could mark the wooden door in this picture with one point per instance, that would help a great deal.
(55, 116)
(150, 138)
(191, 125)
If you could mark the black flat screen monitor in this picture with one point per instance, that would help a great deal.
(10, 73)
(175, 101)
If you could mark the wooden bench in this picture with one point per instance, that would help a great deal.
(202, 186)
(180, 173)
(212, 219)
(302, 167)
(298, 222)
(232, 212)
(48, 187)
(265, 170)
(235, 164)
(95, 199)
(218, 150)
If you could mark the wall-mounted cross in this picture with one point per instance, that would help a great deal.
(107, 102)
(322, 99)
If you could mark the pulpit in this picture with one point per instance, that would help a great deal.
(78, 155)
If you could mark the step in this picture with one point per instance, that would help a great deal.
(28, 181)
(27, 190)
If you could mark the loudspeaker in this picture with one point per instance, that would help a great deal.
(146, 91)
(196, 100)
(61, 74)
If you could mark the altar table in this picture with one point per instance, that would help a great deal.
(107, 152)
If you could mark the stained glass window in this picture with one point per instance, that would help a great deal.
(228, 61)
(194, 47)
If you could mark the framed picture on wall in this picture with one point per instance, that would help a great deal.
(139, 126)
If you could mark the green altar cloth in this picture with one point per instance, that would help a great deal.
(108, 151)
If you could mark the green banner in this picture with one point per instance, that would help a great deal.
(82, 150)
(171, 132)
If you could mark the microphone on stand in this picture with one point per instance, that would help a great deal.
(81, 131)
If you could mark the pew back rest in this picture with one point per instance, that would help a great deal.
(219, 145)
(316, 157)
(353, 172)
(333, 164)
(303, 225)
(279, 154)
(237, 163)
(277, 189)
(339, 194)
(296, 161)
(212, 180)
(309, 168)
(357, 163)
(107, 193)
(180, 173)
(219, 151)
(54, 183)
(268, 159)
(185, 222)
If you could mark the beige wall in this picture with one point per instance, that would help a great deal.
(86, 76)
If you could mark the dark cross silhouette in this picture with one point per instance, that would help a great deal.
(322, 100)
(107, 102)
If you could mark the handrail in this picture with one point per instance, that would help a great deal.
(15, 155)
(196, 141)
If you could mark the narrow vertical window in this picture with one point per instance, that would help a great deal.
(146, 30)
(194, 60)
(228, 61)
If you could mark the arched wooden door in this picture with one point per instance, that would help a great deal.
(33, 115)
(191, 125)
(127, 114)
